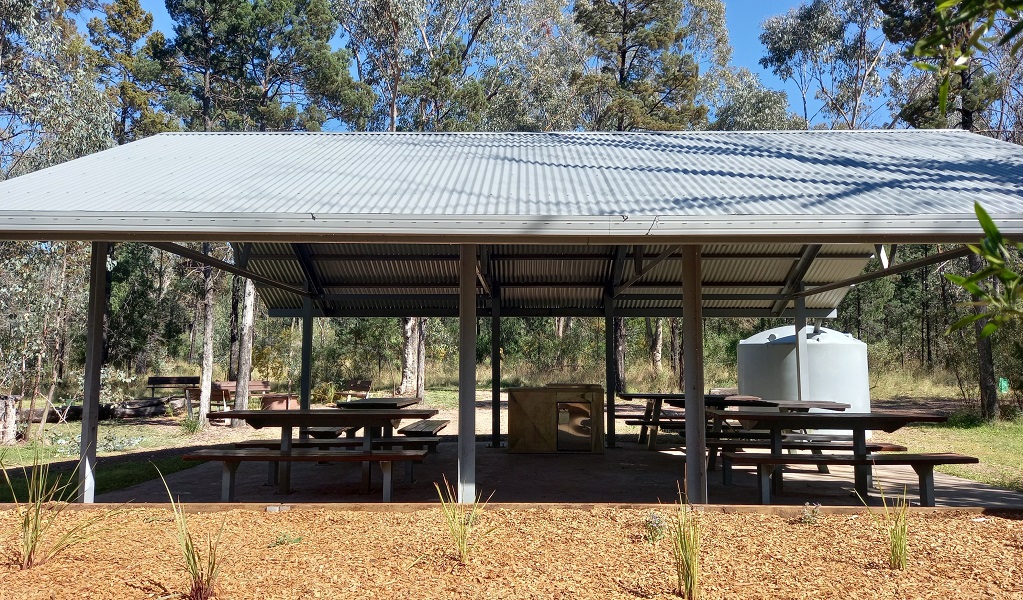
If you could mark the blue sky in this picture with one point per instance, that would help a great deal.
(744, 19)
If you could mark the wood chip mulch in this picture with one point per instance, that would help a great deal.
(529, 553)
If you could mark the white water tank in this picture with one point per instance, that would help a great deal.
(837, 365)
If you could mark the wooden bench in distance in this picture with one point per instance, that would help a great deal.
(427, 427)
(923, 464)
(233, 457)
(354, 388)
(180, 382)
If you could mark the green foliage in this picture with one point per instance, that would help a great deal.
(50, 107)
(191, 425)
(1002, 300)
(461, 518)
(41, 509)
(811, 514)
(203, 567)
(962, 29)
(653, 527)
(283, 539)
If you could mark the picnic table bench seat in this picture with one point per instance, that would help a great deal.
(923, 464)
(426, 427)
(232, 457)
(815, 446)
(415, 443)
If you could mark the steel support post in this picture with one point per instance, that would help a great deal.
(692, 360)
(610, 369)
(93, 365)
(802, 357)
(467, 373)
(495, 369)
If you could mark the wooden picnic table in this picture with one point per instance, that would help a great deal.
(655, 400)
(858, 423)
(287, 420)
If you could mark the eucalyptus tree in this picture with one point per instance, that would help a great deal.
(127, 71)
(536, 53)
(50, 109)
(747, 105)
(832, 49)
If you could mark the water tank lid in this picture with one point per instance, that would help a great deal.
(786, 335)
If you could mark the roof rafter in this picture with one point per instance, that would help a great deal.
(893, 270)
(201, 258)
(794, 279)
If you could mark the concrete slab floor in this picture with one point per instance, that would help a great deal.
(627, 474)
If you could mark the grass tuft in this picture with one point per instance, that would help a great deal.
(203, 568)
(45, 500)
(462, 518)
(684, 535)
(894, 519)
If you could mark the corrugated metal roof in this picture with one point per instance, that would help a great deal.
(371, 186)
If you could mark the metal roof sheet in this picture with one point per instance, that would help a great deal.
(529, 186)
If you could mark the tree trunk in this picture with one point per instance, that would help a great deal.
(8, 419)
(561, 326)
(985, 356)
(206, 379)
(655, 338)
(237, 290)
(675, 343)
(620, 342)
(421, 359)
(409, 355)
(241, 396)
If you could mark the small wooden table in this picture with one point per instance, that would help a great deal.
(858, 423)
(287, 420)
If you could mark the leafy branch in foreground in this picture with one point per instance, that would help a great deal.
(1002, 296)
(976, 18)
(45, 501)
(202, 570)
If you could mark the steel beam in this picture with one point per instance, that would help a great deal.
(201, 258)
(893, 270)
(794, 278)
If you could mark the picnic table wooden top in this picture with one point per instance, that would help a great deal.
(665, 396)
(885, 421)
(755, 402)
(378, 403)
(325, 417)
